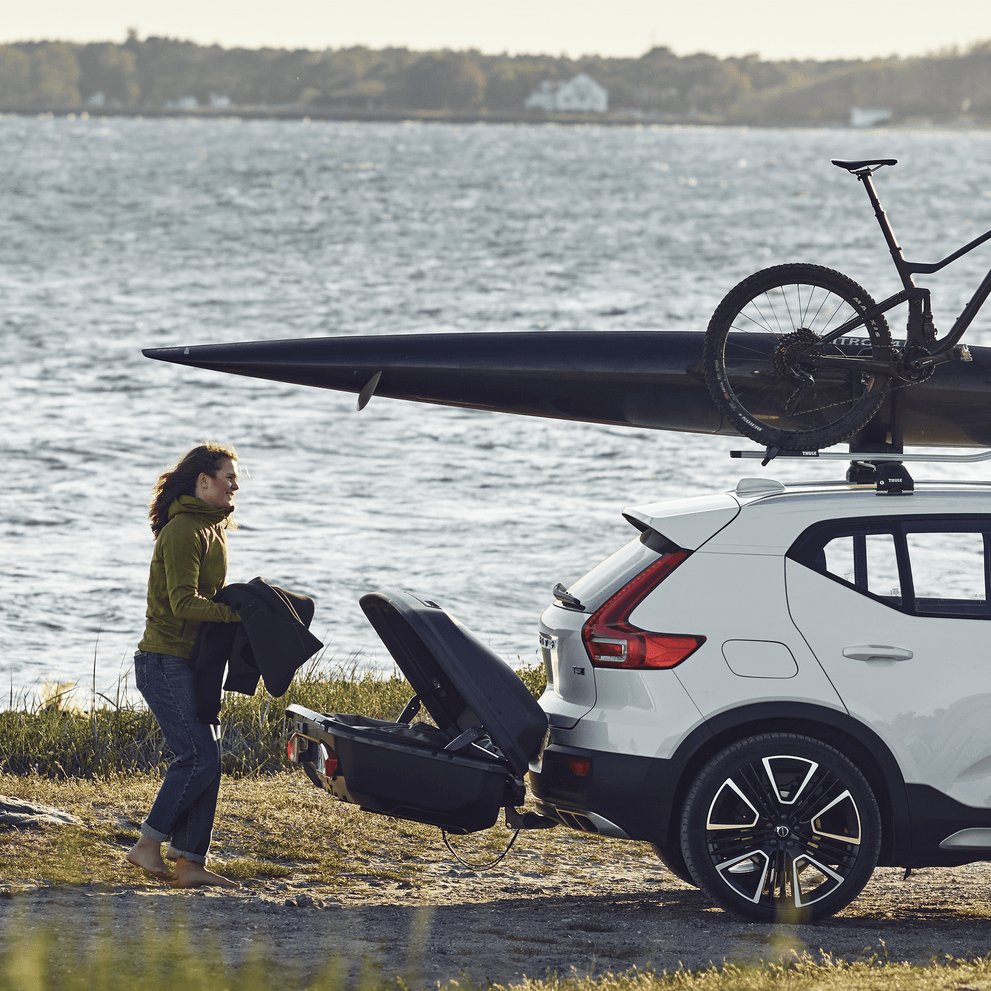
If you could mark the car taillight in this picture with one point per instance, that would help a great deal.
(612, 641)
(326, 762)
(580, 767)
(297, 748)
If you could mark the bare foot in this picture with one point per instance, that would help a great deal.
(147, 854)
(189, 874)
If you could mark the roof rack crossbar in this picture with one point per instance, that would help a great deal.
(878, 456)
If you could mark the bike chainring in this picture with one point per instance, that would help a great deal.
(908, 372)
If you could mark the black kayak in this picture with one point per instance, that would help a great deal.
(641, 379)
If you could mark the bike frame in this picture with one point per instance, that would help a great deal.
(917, 297)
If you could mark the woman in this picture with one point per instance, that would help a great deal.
(190, 513)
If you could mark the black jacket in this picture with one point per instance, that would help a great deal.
(271, 642)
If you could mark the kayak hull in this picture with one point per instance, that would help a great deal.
(639, 379)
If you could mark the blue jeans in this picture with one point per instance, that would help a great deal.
(184, 809)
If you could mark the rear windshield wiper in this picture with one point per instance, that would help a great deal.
(569, 600)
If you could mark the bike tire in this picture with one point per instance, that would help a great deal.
(755, 338)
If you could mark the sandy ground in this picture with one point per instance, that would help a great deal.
(522, 918)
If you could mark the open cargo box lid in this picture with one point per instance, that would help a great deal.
(460, 681)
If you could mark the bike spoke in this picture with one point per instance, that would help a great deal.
(790, 320)
(777, 359)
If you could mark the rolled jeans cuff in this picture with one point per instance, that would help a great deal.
(153, 834)
(193, 858)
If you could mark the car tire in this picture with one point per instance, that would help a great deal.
(672, 858)
(781, 828)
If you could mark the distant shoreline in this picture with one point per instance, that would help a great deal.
(390, 116)
(400, 116)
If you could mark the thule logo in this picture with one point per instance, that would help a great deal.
(580, 671)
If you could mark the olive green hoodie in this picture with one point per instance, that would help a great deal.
(188, 567)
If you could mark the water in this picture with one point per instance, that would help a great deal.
(121, 234)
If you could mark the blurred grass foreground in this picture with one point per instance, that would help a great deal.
(150, 961)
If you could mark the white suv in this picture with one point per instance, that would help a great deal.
(781, 688)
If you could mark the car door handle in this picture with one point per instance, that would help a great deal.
(877, 652)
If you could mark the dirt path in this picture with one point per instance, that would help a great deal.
(527, 917)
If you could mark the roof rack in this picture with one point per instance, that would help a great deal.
(883, 470)
(870, 457)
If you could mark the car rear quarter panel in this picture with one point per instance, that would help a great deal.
(639, 713)
(736, 599)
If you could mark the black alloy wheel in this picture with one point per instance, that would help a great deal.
(781, 828)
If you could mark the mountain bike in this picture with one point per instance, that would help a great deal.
(800, 357)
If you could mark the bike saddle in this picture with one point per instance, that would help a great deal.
(856, 166)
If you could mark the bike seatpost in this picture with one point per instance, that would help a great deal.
(882, 219)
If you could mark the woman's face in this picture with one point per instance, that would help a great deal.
(218, 490)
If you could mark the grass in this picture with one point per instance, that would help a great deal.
(105, 766)
(266, 827)
(805, 973)
(66, 960)
(55, 737)
(275, 831)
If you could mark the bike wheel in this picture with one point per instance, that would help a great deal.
(763, 363)
(781, 828)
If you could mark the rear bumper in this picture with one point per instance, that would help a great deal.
(618, 795)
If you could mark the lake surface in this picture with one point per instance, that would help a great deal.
(121, 234)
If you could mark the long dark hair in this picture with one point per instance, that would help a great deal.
(181, 480)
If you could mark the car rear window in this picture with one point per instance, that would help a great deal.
(616, 570)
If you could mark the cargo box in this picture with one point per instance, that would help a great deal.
(458, 770)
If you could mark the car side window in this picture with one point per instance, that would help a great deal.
(867, 560)
(949, 572)
(933, 567)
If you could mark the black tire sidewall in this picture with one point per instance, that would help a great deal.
(673, 859)
(727, 762)
(719, 328)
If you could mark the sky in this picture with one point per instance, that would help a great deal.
(774, 29)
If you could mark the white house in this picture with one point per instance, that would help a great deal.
(582, 93)
(868, 116)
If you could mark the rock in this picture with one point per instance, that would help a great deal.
(18, 814)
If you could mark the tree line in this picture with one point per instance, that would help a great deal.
(157, 73)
